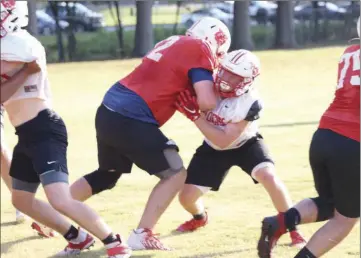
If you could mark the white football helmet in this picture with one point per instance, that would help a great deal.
(14, 15)
(237, 73)
(214, 32)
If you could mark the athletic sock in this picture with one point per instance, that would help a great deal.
(292, 219)
(200, 216)
(72, 233)
(109, 239)
(305, 253)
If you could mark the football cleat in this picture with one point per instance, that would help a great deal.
(297, 239)
(118, 249)
(193, 224)
(272, 229)
(42, 230)
(74, 247)
(144, 239)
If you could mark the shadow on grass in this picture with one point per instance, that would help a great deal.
(101, 252)
(7, 245)
(9, 223)
(173, 233)
(217, 254)
(291, 124)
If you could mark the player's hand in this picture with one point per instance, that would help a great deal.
(188, 106)
(32, 67)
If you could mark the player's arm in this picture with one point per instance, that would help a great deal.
(202, 80)
(10, 86)
(222, 137)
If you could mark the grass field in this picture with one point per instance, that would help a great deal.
(296, 86)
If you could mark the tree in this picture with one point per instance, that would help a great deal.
(32, 26)
(143, 29)
(175, 27)
(316, 21)
(70, 9)
(119, 22)
(285, 29)
(59, 36)
(241, 35)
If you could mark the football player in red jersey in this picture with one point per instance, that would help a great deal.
(133, 110)
(335, 162)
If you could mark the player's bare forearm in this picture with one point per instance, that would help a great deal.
(206, 96)
(9, 87)
(220, 137)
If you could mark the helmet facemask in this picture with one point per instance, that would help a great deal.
(231, 85)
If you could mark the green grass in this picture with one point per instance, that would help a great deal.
(160, 15)
(296, 86)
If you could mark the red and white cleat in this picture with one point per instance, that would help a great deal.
(144, 239)
(297, 239)
(272, 229)
(75, 246)
(42, 230)
(118, 249)
(193, 224)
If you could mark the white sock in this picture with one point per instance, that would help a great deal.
(81, 237)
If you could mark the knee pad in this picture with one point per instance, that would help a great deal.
(325, 208)
(101, 180)
(175, 164)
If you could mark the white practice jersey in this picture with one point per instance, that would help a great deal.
(234, 110)
(22, 47)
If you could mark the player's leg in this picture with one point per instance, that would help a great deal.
(206, 171)
(25, 183)
(309, 210)
(167, 165)
(344, 170)
(50, 162)
(145, 145)
(112, 163)
(256, 161)
(5, 165)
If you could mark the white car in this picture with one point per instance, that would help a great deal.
(190, 18)
(256, 9)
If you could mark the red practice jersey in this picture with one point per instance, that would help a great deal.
(163, 73)
(343, 115)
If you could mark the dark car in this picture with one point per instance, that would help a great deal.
(83, 19)
(352, 8)
(324, 10)
(46, 24)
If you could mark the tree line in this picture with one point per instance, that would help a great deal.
(284, 37)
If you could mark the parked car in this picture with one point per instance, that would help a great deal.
(325, 10)
(261, 11)
(352, 8)
(84, 18)
(46, 24)
(189, 18)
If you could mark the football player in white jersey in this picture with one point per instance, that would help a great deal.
(231, 139)
(40, 154)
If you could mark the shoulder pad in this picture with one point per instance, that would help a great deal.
(254, 111)
(21, 46)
